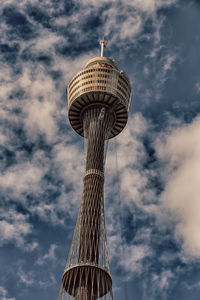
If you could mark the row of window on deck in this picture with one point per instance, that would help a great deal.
(99, 70)
(126, 93)
(126, 87)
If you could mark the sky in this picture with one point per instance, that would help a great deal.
(153, 167)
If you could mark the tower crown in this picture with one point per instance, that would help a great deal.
(99, 84)
(101, 61)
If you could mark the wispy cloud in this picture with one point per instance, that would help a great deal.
(14, 227)
(49, 256)
(179, 149)
(4, 294)
(26, 278)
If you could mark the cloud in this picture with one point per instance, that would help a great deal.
(128, 187)
(180, 149)
(14, 227)
(127, 149)
(39, 107)
(150, 6)
(125, 163)
(24, 177)
(134, 255)
(127, 22)
(128, 19)
(25, 277)
(174, 211)
(32, 278)
(49, 256)
(197, 87)
(4, 293)
(50, 281)
(159, 284)
(129, 257)
(147, 6)
(18, 25)
(192, 287)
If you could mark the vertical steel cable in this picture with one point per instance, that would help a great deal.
(121, 219)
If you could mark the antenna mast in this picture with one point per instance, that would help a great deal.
(103, 44)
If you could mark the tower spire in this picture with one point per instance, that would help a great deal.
(103, 44)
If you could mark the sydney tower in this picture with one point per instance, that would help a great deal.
(98, 103)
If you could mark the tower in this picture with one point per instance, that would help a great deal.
(98, 103)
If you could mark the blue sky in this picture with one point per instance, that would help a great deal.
(153, 167)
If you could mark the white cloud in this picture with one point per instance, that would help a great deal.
(4, 294)
(37, 108)
(22, 178)
(127, 148)
(31, 278)
(128, 27)
(128, 184)
(40, 104)
(26, 278)
(129, 256)
(14, 227)
(32, 246)
(50, 281)
(165, 279)
(40, 119)
(168, 60)
(192, 286)
(197, 87)
(163, 64)
(150, 6)
(50, 256)
(159, 283)
(133, 256)
(129, 19)
(69, 163)
(125, 163)
(180, 151)
(147, 6)
(168, 63)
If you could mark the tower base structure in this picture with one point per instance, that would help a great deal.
(87, 280)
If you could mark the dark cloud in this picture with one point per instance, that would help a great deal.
(92, 22)
(7, 157)
(18, 24)
(10, 52)
(38, 15)
(69, 8)
(37, 57)
(76, 48)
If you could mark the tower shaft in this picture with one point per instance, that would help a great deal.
(92, 186)
(90, 281)
(96, 122)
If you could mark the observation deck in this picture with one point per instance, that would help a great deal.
(99, 84)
